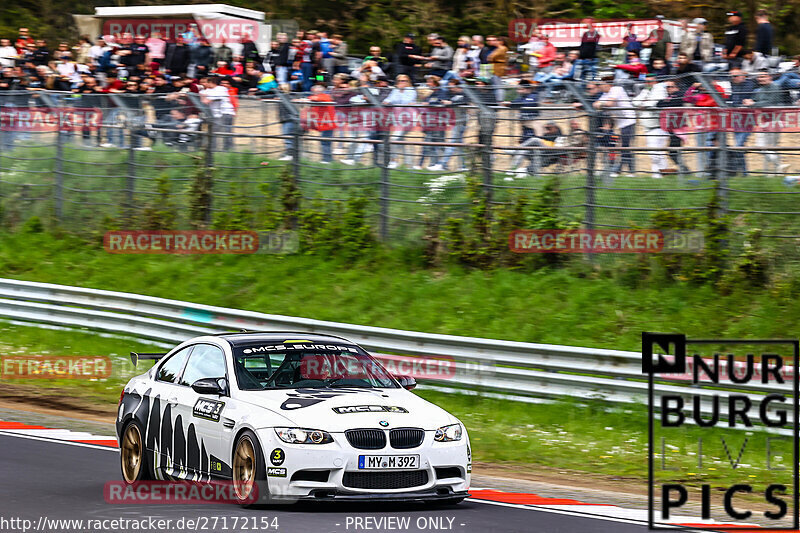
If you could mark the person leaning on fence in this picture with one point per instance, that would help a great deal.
(436, 98)
(624, 120)
(655, 137)
(527, 102)
(217, 97)
(742, 89)
(697, 95)
(403, 94)
(769, 94)
(457, 100)
(674, 99)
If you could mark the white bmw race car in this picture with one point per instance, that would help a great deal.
(292, 416)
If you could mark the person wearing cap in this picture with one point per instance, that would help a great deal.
(655, 137)
(407, 56)
(696, 42)
(765, 33)
(735, 39)
(659, 41)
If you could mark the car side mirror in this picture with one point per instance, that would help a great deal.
(407, 382)
(217, 386)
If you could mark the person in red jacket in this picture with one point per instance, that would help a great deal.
(322, 118)
(698, 96)
(634, 66)
(546, 55)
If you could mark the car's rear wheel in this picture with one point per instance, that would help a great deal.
(249, 476)
(133, 458)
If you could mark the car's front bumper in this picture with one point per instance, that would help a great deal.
(339, 457)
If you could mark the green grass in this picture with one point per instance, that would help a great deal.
(548, 306)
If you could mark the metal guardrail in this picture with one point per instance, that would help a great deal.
(514, 370)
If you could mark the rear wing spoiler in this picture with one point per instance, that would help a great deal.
(136, 356)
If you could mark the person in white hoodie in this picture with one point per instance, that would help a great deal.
(649, 97)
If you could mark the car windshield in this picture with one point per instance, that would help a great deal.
(305, 365)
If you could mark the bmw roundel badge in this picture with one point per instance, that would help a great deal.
(384, 423)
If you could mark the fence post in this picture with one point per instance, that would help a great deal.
(591, 156)
(208, 176)
(130, 181)
(385, 181)
(58, 190)
(298, 136)
(488, 119)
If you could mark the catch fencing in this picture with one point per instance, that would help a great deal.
(87, 159)
(519, 371)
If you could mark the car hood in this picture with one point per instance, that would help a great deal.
(336, 410)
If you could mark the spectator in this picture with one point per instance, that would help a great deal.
(462, 62)
(753, 61)
(631, 42)
(768, 94)
(402, 94)
(624, 119)
(436, 97)
(407, 56)
(41, 55)
(222, 52)
(441, 58)
(476, 54)
(742, 89)
(697, 44)
(81, 51)
(250, 50)
(660, 42)
(587, 59)
(735, 39)
(765, 34)
(684, 70)
(219, 101)
(8, 54)
(176, 60)
(325, 120)
(23, 41)
(200, 59)
(338, 52)
(674, 98)
(156, 48)
(527, 102)
(660, 68)
(633, 65)
(546, 55)
(457, 100)
(284, 60)
(376, 56)
(655, 137)
(698, 96)
(498, 58)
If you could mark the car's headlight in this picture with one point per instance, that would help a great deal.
(448, 433)
(303, 436)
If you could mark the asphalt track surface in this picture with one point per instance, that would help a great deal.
(54, 480)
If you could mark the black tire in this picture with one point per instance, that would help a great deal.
(247, 444)
(134, 462)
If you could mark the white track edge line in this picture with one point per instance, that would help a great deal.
(59, 441)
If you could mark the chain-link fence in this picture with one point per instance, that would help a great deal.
(85, 159)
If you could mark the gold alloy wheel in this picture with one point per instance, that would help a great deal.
(131, 453)
(244, 468)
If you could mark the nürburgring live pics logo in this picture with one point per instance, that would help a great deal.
(735, 390)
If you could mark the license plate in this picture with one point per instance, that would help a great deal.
(388, 462)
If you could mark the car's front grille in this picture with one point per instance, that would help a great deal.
(385, 480)
(366, 439)
(403, 438)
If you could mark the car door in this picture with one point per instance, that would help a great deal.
(201, 415)
(160, 431)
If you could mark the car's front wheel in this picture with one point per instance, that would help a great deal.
(133, 458)
(249, 475)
